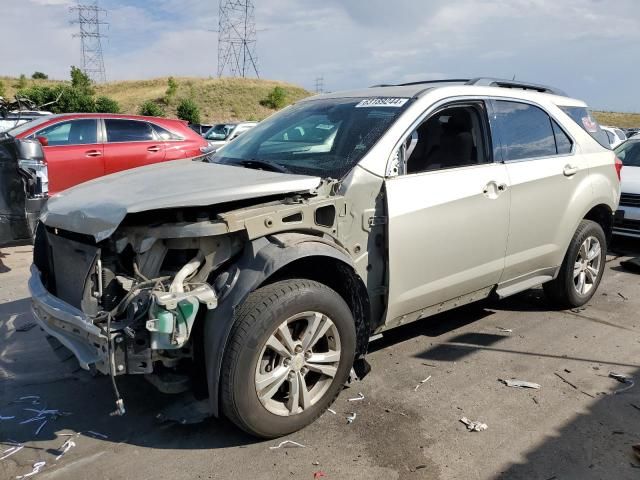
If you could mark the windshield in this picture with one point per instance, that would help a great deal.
(629, 153)
(220, 131)
(582, 116)
(324, 137)
(20, 129)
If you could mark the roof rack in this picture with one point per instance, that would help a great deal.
(485, 82)
(499, 82)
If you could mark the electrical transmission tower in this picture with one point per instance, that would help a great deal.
(237, 39)
(89, 19)
(320, 84)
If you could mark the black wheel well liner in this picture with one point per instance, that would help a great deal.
(266, 260)
(602, 215)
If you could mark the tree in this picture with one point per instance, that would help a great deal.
(107, 105)
(276, 99)
(22, 82)
(172, 88)
(189, 111)
(81, 81)
(61, 98)
(39, 76)
(151, 109)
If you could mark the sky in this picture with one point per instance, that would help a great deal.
(586, 47)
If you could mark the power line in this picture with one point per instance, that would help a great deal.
(237, 39)
(88, 17)
(320, 84)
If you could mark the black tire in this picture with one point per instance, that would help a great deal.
(255, 321)
(562, 292)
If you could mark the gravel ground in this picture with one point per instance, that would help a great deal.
(574, 428)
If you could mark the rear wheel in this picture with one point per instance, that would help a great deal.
(290, 352)
(582, 268)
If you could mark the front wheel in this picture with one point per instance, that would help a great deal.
(582, 268)
(291, 349)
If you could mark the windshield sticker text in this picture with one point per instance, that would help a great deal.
(382, 102)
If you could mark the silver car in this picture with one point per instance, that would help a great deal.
(258, 279)
(628, 215)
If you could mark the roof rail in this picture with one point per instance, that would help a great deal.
(423, 82)
(498, 82)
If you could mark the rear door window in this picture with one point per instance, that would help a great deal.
(121, 130)
(525, 131)
(72, 132)
(563, 142)
(582, 116)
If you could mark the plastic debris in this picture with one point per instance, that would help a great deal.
(622, 379)
(474, 426)
(331, 410)
(422, 382)
(351, 417)
(520, 384)
(66, 446)
(287, 444)
(319, 474)
(32, 399)
(96, 434)
(36, 469)
(26, 327)
(505, 330)
(622, 296)
(15, 448)
(7, 418)
(356, 399)
(40, 427)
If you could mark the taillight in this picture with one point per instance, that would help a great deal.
(36, 176)
(618, 166)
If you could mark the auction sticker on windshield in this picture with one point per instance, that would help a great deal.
(382, 102)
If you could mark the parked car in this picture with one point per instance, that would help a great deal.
(200, 128)
(15, 118)
(23, 188)
(221, 134)
(628, 215)
(258, 279)
(630, 132)
(80, 147)
(615, 136)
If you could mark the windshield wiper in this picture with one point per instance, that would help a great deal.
(263, 165)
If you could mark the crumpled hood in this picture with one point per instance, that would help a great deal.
(97, 207)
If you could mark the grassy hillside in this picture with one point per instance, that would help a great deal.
(219, 99)
(227, 99)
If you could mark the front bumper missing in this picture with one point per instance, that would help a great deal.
(69, 325)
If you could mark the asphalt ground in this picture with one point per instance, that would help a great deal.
(574, 427)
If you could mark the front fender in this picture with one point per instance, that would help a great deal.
(260, 259)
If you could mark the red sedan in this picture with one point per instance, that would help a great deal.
(80, 147)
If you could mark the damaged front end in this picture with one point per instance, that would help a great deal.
(23, 188)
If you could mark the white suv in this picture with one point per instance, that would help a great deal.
(258, 279)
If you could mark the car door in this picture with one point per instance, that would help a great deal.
(549, 185)
(448, 215)
(130, 144)
(73, 152)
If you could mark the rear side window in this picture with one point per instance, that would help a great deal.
(582, 116)
(525, 131)
(563, 142)
(128, 131)
(73, 132)
(165, 134)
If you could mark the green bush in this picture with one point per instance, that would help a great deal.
(39, 76)
(65, 99)
(2, 89)
(151, 109)
(172, 88)
(81, 81)
(189, 111)
(107, 105)
(276, 99)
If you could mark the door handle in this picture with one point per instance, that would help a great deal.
(93, 153)
(569, 170)
(493, 189)
(154, 149)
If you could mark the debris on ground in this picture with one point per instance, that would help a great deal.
(36, 469)
(32, 399)
(356, 399)
(636, 449)
(15, 448)
(351, 417)
(26, 327)
(622, 296)
(287, 444)
(43, 416)
(505, 330)
(633, 264)
(474, 426)
(331, 410)
(66, 446)
(520, 384)
(319, 474)
(572, 385)
(421, 383)
(7, 418)
(622, 379)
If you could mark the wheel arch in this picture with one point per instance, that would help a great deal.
(269, 259)
(603, 216)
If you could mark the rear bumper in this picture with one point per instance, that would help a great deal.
(627, 221)
(68, 325)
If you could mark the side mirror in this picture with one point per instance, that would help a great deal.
(44, 141)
